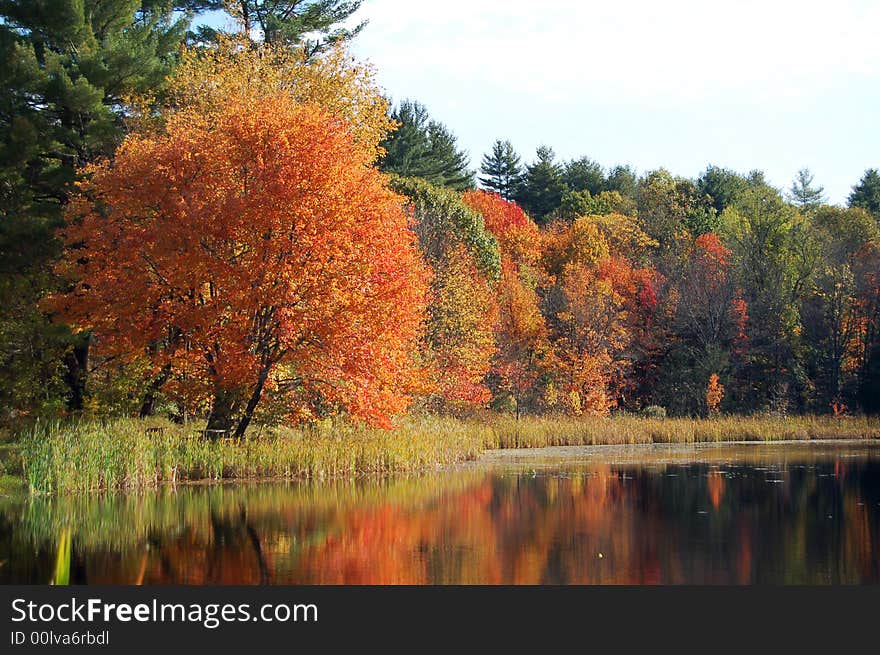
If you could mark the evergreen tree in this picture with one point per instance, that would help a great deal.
(313, 24)
(425, 148)
(67, 66)
(584, 174)
(722, 185)
(542, 187)
(501, 170)
(866, 194)
(622, 179)
(803, 194)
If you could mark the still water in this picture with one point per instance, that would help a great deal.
(722, 514)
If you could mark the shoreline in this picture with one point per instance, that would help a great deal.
(128, 455)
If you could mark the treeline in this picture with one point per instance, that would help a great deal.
(204, 232)
(737, 296)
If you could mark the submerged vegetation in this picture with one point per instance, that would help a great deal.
(128, 454)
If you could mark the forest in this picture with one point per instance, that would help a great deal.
(239, 228)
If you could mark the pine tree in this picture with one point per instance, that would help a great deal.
(501, 170)
(67, 66)
(542, 187)
(313, 25)
(425, 148)
(584, 174)
(866, 194)
(803, 194)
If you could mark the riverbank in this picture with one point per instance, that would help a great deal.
(130, 454)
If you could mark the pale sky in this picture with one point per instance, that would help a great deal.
(770, 84)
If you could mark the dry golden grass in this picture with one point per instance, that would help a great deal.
(123, 454)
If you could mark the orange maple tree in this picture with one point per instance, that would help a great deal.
(247, 250)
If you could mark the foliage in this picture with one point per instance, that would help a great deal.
(866, 194)
(714, 394)
(311, 26)
(501, 170)
(542, 186)
(804, 195)
(425, 148)
(67, 67)
(442, 221)
(229, 249)
(523, 355)
(206, 79)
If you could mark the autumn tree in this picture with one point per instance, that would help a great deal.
(206, 78)
(462, 315)
(714, 394)
(248, 250)
(708, 329)
(523, 351)
(837, 310)
(67, 67)
(596, 304)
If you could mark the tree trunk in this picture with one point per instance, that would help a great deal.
(223, 410)
(253, 402)
(148, 406)
(76, 376)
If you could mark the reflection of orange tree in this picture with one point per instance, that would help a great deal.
(544, 530)
(598, 524)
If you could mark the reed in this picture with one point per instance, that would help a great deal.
(131, 454)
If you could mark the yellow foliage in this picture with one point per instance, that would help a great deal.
(206, 79)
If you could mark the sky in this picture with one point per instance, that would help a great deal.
(776, 85)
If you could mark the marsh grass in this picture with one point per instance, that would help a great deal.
(123, 454)
(628, 430)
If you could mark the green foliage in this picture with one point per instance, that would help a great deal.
(584, 174)
(721, 185)
(442, 220)
(866, 194)
(581, 203)
(803, 194)
(501, 170)
(670, 206)
(542, 186)
(67, 68)
(314, 25)
(425, 148)
(622, 179)
(776, 255)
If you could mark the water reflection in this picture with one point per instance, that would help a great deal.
(805, 514)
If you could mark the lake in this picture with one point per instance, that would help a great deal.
(782, 513)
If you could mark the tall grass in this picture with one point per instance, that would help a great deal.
(123, 454)
(542, 432)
